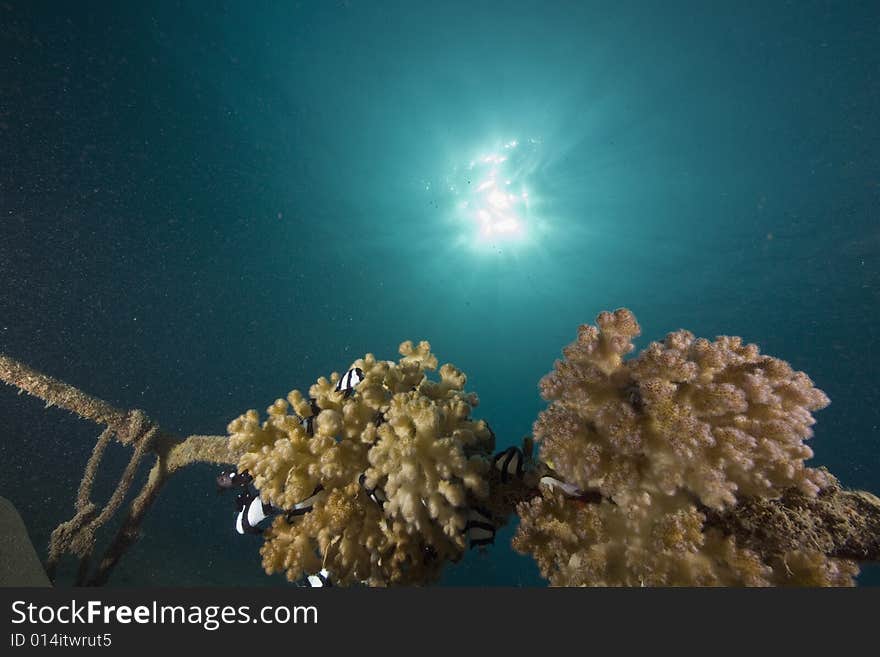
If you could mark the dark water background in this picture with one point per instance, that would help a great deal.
(204, 205)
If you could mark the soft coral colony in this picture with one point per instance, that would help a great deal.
(392, 469)
(672, 439)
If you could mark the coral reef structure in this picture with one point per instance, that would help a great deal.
(684, 465)
(392, 468)
(691, 428)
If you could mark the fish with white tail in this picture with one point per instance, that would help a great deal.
(570, 490)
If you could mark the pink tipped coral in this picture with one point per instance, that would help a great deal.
(687, 427)
(717, 419)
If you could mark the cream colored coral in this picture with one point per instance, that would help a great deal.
(423, 468)
(412, 438)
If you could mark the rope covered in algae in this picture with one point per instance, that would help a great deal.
(130, 427)
(124, 424)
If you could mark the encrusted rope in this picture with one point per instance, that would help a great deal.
(77, 535)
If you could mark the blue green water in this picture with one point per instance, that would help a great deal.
(205, 205)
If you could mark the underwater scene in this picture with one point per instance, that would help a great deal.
(350, 293)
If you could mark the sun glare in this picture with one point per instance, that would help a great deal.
(492, 199)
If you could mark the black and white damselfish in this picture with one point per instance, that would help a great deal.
(308, 423)
(479, 528)
(510, 462)
(319, 580)
(376, 494)
(250, 512)
(349, 381)
(306, 505)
